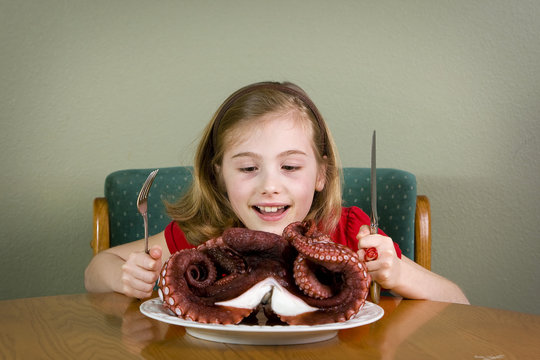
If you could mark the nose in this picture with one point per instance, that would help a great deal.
(270, 183)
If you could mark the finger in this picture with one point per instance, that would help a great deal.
(369, 241)
(135, 293)
(139, 273)
(373, 266)
(156, 252)
(146, 276)
(138, 288)
(150, 262)
(140, 260)
(151, 265)
(363, 231)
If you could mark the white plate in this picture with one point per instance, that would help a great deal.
(262, 334)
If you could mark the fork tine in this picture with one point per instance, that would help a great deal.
(142, 201)
(143, 194)
(151, 180)
(145, 189)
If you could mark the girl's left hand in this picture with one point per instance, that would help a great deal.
(386, 268)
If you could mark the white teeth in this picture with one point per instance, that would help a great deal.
(270, 209)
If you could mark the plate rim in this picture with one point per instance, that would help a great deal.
(147, 308)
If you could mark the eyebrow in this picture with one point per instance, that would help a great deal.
(257, 156)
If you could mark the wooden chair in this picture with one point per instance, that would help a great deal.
(403, 215)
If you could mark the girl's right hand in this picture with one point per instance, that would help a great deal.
(140, 273)
(386, 268)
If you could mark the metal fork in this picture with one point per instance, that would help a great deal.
(142, 204)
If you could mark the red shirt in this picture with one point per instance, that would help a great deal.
(347, 229)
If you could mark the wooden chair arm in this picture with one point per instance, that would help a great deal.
(100, 240)
(422, 232)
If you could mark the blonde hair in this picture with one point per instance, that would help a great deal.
(204, 212)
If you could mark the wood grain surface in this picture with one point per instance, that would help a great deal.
(107, 326)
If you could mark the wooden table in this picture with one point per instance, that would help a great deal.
(110, 326)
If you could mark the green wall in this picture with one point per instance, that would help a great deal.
(452, 88)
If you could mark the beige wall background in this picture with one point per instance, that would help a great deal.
(452, 88)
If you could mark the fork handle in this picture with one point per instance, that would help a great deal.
(145, 218)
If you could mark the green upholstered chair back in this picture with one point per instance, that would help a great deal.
(396, 201)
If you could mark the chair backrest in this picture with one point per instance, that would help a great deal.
(396, 191)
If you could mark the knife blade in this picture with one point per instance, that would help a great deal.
(375, 288)
(374, 219)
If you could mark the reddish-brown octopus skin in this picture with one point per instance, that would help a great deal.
(304, 261)
(190, 283)
(317, 249)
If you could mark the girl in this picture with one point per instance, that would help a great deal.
(265, 160)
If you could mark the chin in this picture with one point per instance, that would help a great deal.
(278, 230)
(274, 228)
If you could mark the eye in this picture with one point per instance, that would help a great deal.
(290, 167)
(248, 169)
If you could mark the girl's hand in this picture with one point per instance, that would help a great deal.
(386, 269)
(140, 273)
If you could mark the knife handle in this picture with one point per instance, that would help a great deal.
(375, 288)
(375, 292)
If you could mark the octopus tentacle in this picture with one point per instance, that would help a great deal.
(228, 259)
(181, 277)
(307, 281)
(253, 241)
(350, 281)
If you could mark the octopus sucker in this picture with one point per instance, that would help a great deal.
(301, 277)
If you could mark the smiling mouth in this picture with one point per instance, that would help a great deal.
(271, 210)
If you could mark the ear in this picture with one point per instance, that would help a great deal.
(321, 177)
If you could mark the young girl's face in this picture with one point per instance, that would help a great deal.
(270, 171)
